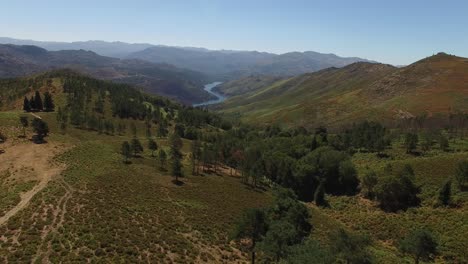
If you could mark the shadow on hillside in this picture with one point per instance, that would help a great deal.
(178, 182)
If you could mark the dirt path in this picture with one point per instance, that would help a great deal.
(35, 115)
(30, 157)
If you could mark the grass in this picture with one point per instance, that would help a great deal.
(104, 210)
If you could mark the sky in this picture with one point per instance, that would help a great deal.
(396, 32)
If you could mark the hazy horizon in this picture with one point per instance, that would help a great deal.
(383, 32)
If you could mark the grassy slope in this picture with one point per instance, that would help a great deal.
(246, 84)
(334, 97)
(124, 212)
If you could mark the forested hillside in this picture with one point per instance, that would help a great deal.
(126, 176)
(162, 79)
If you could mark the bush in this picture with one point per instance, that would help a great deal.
(397, 193)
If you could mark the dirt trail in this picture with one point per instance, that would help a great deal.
(37, 158)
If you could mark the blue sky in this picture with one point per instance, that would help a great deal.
(396, 32)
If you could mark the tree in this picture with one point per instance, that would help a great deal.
(24, 123)
(368, 183)
(179, 129)
(319, 195)
(162, 158)
(281, 235)
(443, 142)
(38, 101)
(176, 156)
(32, 103)
(445, 193)
(49, 105)
(136, 146)
(40, 128)
(26, 105)
(411, 142)
(195, 157)
(461, 173)
(351, 248)
(253, 227)
(153, 146)
(397, 192)
(126, 151)
(421, 244)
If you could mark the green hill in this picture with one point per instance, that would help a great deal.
(80, 197)
(435, 86)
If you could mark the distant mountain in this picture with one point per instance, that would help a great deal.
(218, 64)
(235, 64)
(435, 87)
(183, 85)
(115, 49)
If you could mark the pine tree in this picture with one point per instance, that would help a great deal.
(319, 195)
(41, 128)
(26, 105)
(38, 101)
(445, 193)
(32, 104)
(153, 146)
(136, 146)
(126, 151)
(162, 158)
(176, 156)
(49, 105)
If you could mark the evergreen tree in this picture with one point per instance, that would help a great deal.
(38, 101)
(195, 157)
(445, 193)
(411, 142)
(253, 227)
(126, 151)
(136, 146)
(49, 105)
(26, 105)
(153, 146)
(421, 244)
(319, 196)
(40, 128)
(368, 183)
(32, 103)
(176, 156)
(162, 158)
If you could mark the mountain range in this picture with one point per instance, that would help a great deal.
(164, 79)
(433, 87)
(218, 64)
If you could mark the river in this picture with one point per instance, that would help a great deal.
(209, 88)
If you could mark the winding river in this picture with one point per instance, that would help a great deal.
(209, 88)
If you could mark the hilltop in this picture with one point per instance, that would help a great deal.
(163, 79)
(434, 87)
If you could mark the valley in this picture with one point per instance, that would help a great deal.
(244, 132)
(210, 88)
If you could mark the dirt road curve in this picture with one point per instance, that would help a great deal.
(30, 157)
